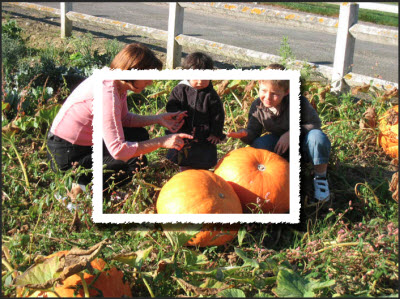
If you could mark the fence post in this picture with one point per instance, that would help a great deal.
(66, 24)
(345, 44)
(175, 27)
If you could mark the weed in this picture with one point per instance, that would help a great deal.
(286, 53)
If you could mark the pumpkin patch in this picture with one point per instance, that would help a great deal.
(259, 177)
(389, 128)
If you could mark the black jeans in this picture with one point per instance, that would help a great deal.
(65, 155)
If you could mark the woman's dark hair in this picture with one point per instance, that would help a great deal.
(198, 61)
(136, 56)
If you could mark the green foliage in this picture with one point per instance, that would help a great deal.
(11, 51)
(40, 274)
(87, 59)
(327, 9)
(179, 235)
(11, 30)
(290, 284)
(13, 47)
(348, 246)
(286, 53)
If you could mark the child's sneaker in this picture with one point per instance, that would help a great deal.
(321, 189)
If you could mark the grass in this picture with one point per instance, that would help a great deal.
(332, 10)
(345, 247)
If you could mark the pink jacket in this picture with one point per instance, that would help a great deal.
(74, 120)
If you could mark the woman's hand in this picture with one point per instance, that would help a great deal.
(283, 144)
(173, 121)
(239, 134)
(175, 141)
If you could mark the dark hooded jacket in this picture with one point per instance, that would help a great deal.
(205, 117)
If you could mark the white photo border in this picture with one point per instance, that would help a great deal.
(106, 74)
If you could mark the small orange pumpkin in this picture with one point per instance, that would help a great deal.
(259, 177)
(389, 132)
(109, 282)
(198, 191)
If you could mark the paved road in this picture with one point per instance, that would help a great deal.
(370, 59)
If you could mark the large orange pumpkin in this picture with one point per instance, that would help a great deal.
(109, 282)
(201, 192)
(259, 177)
(389, 128)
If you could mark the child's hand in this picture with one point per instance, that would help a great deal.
(283, 144)
(213, 139)
(239, 134)
(173, 121)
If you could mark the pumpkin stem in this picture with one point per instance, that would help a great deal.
(148, 287)
(84, 284)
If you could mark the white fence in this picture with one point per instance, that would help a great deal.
(347, 32)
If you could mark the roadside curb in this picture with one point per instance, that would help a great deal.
(376, 34)
(261, 58)
(264, 13)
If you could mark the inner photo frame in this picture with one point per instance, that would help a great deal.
(106, 74)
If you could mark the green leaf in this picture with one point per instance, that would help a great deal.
(134, 259)
(194, 258)
(270, 264)
(291, 284)
(47, 115)
(180, 234)
(315, 285)
(76, 56)
(232, 293)
(212, 283)
(241, 234)
(142, 255)
(41, 275)
(247, 261)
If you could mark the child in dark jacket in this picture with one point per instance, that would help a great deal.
(205, 117)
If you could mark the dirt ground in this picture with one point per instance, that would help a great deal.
(41, 28)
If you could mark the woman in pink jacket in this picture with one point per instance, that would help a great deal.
(125, 139)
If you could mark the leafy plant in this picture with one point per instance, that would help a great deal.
(286, 53)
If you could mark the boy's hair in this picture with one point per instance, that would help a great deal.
(275, 66)
(284, 84)
(198, 61)
(136, 56)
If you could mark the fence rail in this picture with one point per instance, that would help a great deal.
(347, 32)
